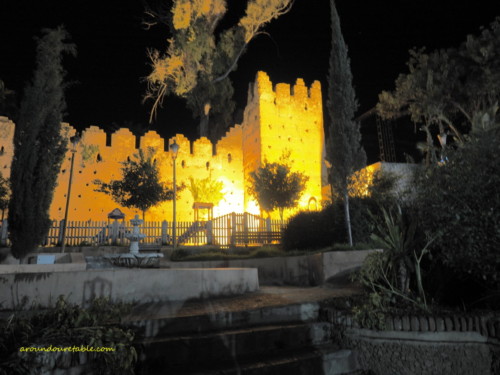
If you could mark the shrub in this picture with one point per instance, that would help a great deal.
(213, 253)
(461, 199)
(266, 252)
(207, 256)
(361, 223)
(179, 254)
(308, 230)
(68, 325)
(395, 274)
(314, 230)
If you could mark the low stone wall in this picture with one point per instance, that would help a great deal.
(444, 345)
(409, 353)
(66, 262)
(304, 270)
(128, 285)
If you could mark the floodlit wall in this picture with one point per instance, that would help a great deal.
(286, 120)
(276, 120)
(6, 148)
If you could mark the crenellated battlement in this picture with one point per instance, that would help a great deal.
(284, 93)
(277, 118)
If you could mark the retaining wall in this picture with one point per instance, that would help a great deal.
(304, 270)
(444, 345)
(128, 285)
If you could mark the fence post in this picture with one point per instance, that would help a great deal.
(233, 229)
(209, 233)
(5, 232)
(114, 233)
(245, 228)
(268, 229)
(164, 231)
(60, 233)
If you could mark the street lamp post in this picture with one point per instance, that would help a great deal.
(74, 141)
(174, 147)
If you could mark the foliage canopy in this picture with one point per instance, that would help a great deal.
(140, 186)
(206, 190)
(461, 199)
(7, 100)
(66, 325)
(449, 91)
(200, 56)
(275, 186)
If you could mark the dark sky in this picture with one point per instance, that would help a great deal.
(112, 61)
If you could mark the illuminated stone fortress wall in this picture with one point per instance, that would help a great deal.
(276, 120)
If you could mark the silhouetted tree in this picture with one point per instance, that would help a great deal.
(7, 101)
(449, 91)
(140, 186)
(344, 145)
(200, 56)
(275, 186)
(39, 146)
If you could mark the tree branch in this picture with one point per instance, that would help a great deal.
(233, 65)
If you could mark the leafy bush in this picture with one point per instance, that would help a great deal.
(356, 246)
(461, 199)
(395, 274)
(68, 325)
(207, 255)
(314, 230)
(179, 254)
(266, 252)
(361, 223)
(308, 230)
(218, 254)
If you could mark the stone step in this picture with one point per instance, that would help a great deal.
(226, 346)
(322, 360)
(219, 320)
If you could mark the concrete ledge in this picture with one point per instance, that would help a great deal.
(128, 285)
(441, 337)
(303, 270)
(41, 268)
(67, 262)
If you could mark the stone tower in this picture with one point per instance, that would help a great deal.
(285, 119)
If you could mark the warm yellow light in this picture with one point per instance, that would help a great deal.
(276, 119)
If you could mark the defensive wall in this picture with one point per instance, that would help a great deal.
(277, 120)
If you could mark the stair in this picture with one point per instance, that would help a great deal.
(191, 231)
(287, 340)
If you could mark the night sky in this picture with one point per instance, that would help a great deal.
(107, 75)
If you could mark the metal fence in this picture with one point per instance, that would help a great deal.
(228, 230)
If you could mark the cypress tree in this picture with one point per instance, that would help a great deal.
(39, 146)
(344, 145)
